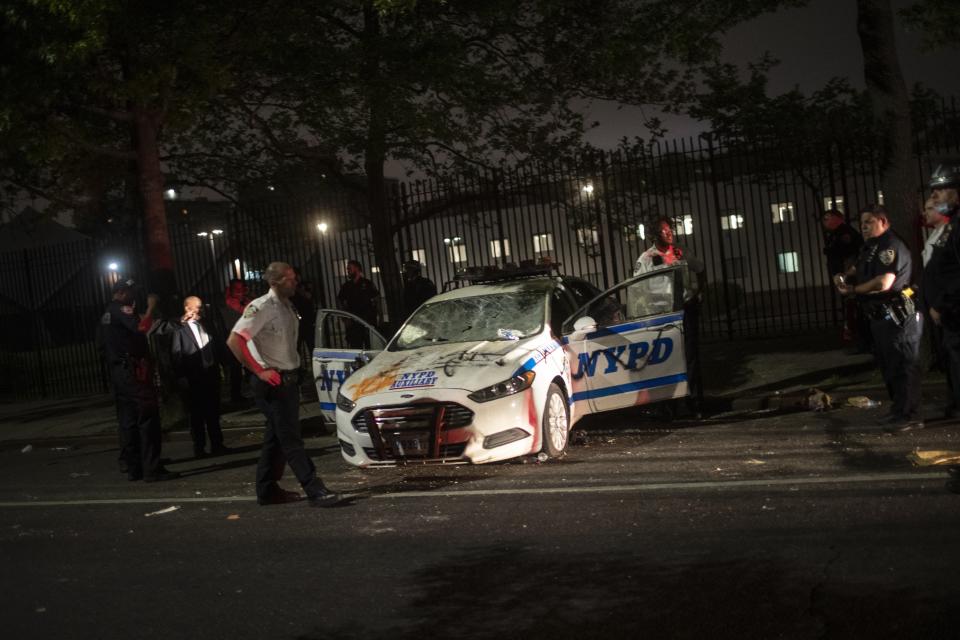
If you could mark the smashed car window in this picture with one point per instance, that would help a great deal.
(502, 316)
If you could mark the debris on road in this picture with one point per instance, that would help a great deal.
(233, 516)
(162, 511)
(817, 400)
(80, 474)
(62, 449)
(755, 461)
(27, 449)
(862, 402)
(930, 458)
(578, 438)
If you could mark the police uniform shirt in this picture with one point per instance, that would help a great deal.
(941, 275)
(653, 258)
(359, 298)
(122, 337)
(272, 325)
(885, 254)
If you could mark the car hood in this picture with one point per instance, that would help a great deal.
(464, 365)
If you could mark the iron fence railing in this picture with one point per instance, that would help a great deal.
(750, 212)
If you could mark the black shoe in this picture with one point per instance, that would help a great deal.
(133, 476)
(122, 465)
(200, 454)
(892, 418)
(325, 498)
(161, 475)
(279, 496)
(222, 450)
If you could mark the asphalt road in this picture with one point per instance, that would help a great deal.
(794, 526)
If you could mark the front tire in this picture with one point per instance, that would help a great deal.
(555, 422)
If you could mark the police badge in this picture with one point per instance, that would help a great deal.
(250, 311)
(887, 256)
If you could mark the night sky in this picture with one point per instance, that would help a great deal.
(813, 44)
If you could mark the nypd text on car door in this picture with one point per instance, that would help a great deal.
(334, 359)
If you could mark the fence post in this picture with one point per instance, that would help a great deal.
(723, 251)
(604, 214)
(496, 202)
(34, 322)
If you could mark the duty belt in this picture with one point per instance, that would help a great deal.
(896, 308)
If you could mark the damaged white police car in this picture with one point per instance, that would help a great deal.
(501, 368)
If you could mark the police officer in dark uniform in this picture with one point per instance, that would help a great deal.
(881, 281)
(416, 288)
(127, 354)
(358, 295)
(941, 280)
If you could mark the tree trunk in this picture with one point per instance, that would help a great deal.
(891, 107)
(374, 158)
(150, 176)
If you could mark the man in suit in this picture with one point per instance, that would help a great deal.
(197, 352)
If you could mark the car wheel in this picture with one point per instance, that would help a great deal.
(556, 422)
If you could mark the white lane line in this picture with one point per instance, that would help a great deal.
(708, 485)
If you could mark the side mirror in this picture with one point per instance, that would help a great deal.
(586, 323)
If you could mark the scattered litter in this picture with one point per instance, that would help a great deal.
(69, 448)
(930, 458)
(578, 438)
(196, 493)
(508, 334)
(755, 461)
(27, 449)
(766, 508)
(542, 457)
(81, 474)
(233, 516)
(863, 402)
(818, 400)
(162, 511)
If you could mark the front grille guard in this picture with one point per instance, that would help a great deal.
(424, 418)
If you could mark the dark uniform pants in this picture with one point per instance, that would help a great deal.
(897, 350)
(202, 397)
(138, 413)
(951, 348)
(282, 442)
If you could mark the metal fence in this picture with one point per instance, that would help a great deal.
(750, 212)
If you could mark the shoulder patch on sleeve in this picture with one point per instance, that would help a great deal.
(250, 310)
(887, 256)
(105, 318)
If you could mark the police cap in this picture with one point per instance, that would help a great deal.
(946, 175)
(124, 285)
(411, 266)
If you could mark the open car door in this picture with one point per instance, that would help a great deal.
(344, 343)
(626, 346)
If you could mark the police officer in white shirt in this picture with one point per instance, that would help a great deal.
(271, 324)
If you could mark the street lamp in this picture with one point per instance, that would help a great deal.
(587, 189)
(322, 227)
(211, 234)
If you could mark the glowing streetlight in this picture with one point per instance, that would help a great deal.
(322, 227)
(113, 266)
(170, 194)
(587, 189)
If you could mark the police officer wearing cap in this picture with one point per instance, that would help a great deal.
(416, 288)
(880, 280)
(271, 323)
(124, 336)
(941, 280)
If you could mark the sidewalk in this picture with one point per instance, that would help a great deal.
(742, 375)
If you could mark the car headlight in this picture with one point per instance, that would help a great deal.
(509, 387)
(344, 403)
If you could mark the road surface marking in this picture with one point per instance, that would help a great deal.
(615, 488)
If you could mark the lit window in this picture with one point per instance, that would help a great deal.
(420, 255)
(782, 212)
(684, 225)
(731, 221)
(542, 244)
(456, 249)
(588, 237)
(374, 269)
(495, 249)
(642, 231)
(340, 267)
(833, 202)
(879, 196)
(788, 262)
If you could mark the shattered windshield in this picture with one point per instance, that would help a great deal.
(503, 316)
